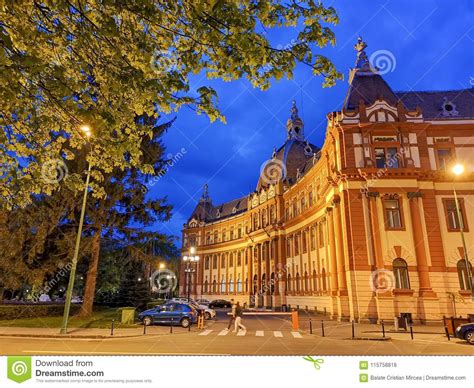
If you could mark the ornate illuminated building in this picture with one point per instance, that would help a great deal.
(366, 227)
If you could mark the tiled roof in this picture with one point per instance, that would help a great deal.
(431, 102)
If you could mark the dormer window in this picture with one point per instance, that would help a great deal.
(448, 108)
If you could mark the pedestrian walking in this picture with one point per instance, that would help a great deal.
(232, 314)
(238, 318)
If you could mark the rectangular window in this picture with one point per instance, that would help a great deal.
(310, 198)
(321, 235)
(444, 158)
(214, 262)
(303, 241)
(288, 248)
(380, 157)
(386, 157)
(452, 219)
(297, 250)
(313, 239)
(393, 218)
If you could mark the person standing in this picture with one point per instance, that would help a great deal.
(232, 314)
(239, 312)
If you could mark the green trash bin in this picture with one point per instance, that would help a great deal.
(128, 315)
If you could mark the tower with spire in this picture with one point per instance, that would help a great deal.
(294, 125)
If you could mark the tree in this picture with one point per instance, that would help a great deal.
(134, 288)
(102, 63)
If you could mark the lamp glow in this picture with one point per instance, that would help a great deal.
(458, 169)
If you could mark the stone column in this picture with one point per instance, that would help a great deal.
(268, 301)
(249, 256)
(258, 301)
(341, 274)
(332, 251)
(419, 242)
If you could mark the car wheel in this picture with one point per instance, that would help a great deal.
(147, 321)
(469, 336)
(185, 322)
(207, 315)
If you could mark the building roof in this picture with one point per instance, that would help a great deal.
(289, 161)
(433, 103)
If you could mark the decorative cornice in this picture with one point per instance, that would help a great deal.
(414, 194)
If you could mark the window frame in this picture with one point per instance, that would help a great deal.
(399, 200)
(398, 271)
(463, 214)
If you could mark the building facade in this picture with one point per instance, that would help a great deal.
(365, 227)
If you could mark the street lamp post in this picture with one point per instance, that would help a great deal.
(458, 170)
(190, 260)
(72, 275)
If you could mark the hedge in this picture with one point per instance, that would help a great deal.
(34, 310)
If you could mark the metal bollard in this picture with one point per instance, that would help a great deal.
(447, 333)
(189, 327)
(144, 329)
(353, 330)
(325, 311)
(411, 331)
(112, 327)
(171, 326)
(383, 329)
(310, 326)
(322, 328)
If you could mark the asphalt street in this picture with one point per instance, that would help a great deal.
(264, 336)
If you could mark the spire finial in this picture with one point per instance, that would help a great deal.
(205, 193)
(362, 62)
(294, 111)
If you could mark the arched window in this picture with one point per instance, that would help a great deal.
(400, 271)
(231, 284)
(315, 281)
(206, 286)
(214, 286)
(264, 284)
(222, 284)
(239, 259)
(272, 283)
(206, 264)
(255, 284)
(231, 260)
(239, 284)
(323, 278)
(297, 282)
(306, 283)
(288, 283)
(463, 274)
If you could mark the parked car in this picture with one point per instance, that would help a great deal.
(466, 332)
(171, 313)
(220, 303)
(206, 310)
(203, 302)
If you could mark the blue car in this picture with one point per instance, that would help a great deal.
(171, 314)
(466, 332)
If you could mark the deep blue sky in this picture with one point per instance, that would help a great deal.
(431, 41)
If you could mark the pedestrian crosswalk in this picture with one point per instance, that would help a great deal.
(257, 333)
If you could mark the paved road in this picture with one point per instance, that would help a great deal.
(264, 336)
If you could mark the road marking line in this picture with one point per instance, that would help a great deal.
(206, 332)
(296, 334)
(241, 333)
(224, 332)
(278, 334)
(259, 333)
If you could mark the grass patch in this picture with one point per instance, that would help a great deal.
(101, 319)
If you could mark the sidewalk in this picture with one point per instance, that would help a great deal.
(88, 333)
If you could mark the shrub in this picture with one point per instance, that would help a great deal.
(15, 311)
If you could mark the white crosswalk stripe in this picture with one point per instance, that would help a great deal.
(224, 332)
(241, 333)
(277, 334)
(296, 334)
(259, 333)
(206, 332)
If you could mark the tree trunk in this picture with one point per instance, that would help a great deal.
(91, 279)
